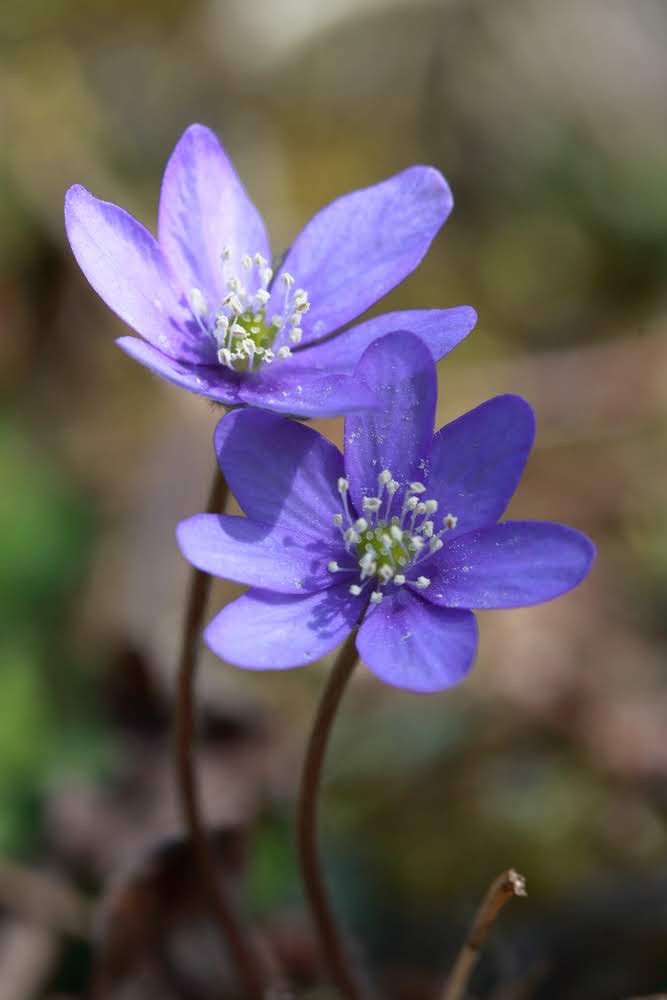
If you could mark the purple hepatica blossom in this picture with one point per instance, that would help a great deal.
(213, 316)
(402, 529)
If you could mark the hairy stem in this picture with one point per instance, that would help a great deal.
(329, 937)
(507, 885)
(241, 952)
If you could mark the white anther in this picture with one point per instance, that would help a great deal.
(337, 520)
(361, 525)
(376, 596)
(333, 566)
(411, 503)
(435, 544)
(421, 508)
(262, 296)
(392, 486)
(427, 528)
(396, 533)
(422, 582)
(351, 536)
(260, 261)
(386, 541)
(416, 488)
(371, 503)
(449, 522)
(385, 573)
(284, 352)
(296, 335)
(249, 346)
(399, 579)
(287, 279)
(198, 302)
(354, 589)
(416, 543)
(266, 274)
(233, 284)
(225, 356)
(268, 357)
(226, 253)
(278, 322)
(384, 477)
(431, 506)
(246, 261)
(343, 485)
(232, 300)
(221, 321)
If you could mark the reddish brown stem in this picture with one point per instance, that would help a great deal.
(328, 934)
(248, 968)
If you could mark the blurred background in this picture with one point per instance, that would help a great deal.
(548, 119)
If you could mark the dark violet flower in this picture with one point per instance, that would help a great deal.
(404, 525)
(215, 319)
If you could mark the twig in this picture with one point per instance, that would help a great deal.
(507, 885)
(328, 934)
(249, 969)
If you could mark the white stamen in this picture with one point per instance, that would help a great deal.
(431, 506)
(354, 589)
(399, 579)
(376, 597)
(333, 566)
(435, 544)
(283, 352)
(385, 573)
(246, 261)
(343, 485)
(296, 335)
(287, 279)
(361, 525)
(371, 503)
(422, 582)
(384, 477)
(198, 303)
(416, 488)
(449, 522)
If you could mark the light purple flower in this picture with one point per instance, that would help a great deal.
(402, 530)
(215, 319)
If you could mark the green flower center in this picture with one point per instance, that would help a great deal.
(248, 320)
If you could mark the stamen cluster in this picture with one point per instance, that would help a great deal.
(246, 323)
(383, 545)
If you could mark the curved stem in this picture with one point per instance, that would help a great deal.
(316, 892)
(242, 955)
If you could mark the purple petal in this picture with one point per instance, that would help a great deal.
(440, 329)
(359, 247)
(302, 393)
(281, 472)
(126, 267)
(477, 461)
(238, 549)
(203, 209)
(211, 381)
(265, 631)
(510, 565)
(411, 644)
(397, 436)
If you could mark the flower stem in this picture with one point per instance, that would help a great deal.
(329, 937)
(507, 885)
(242, 954)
